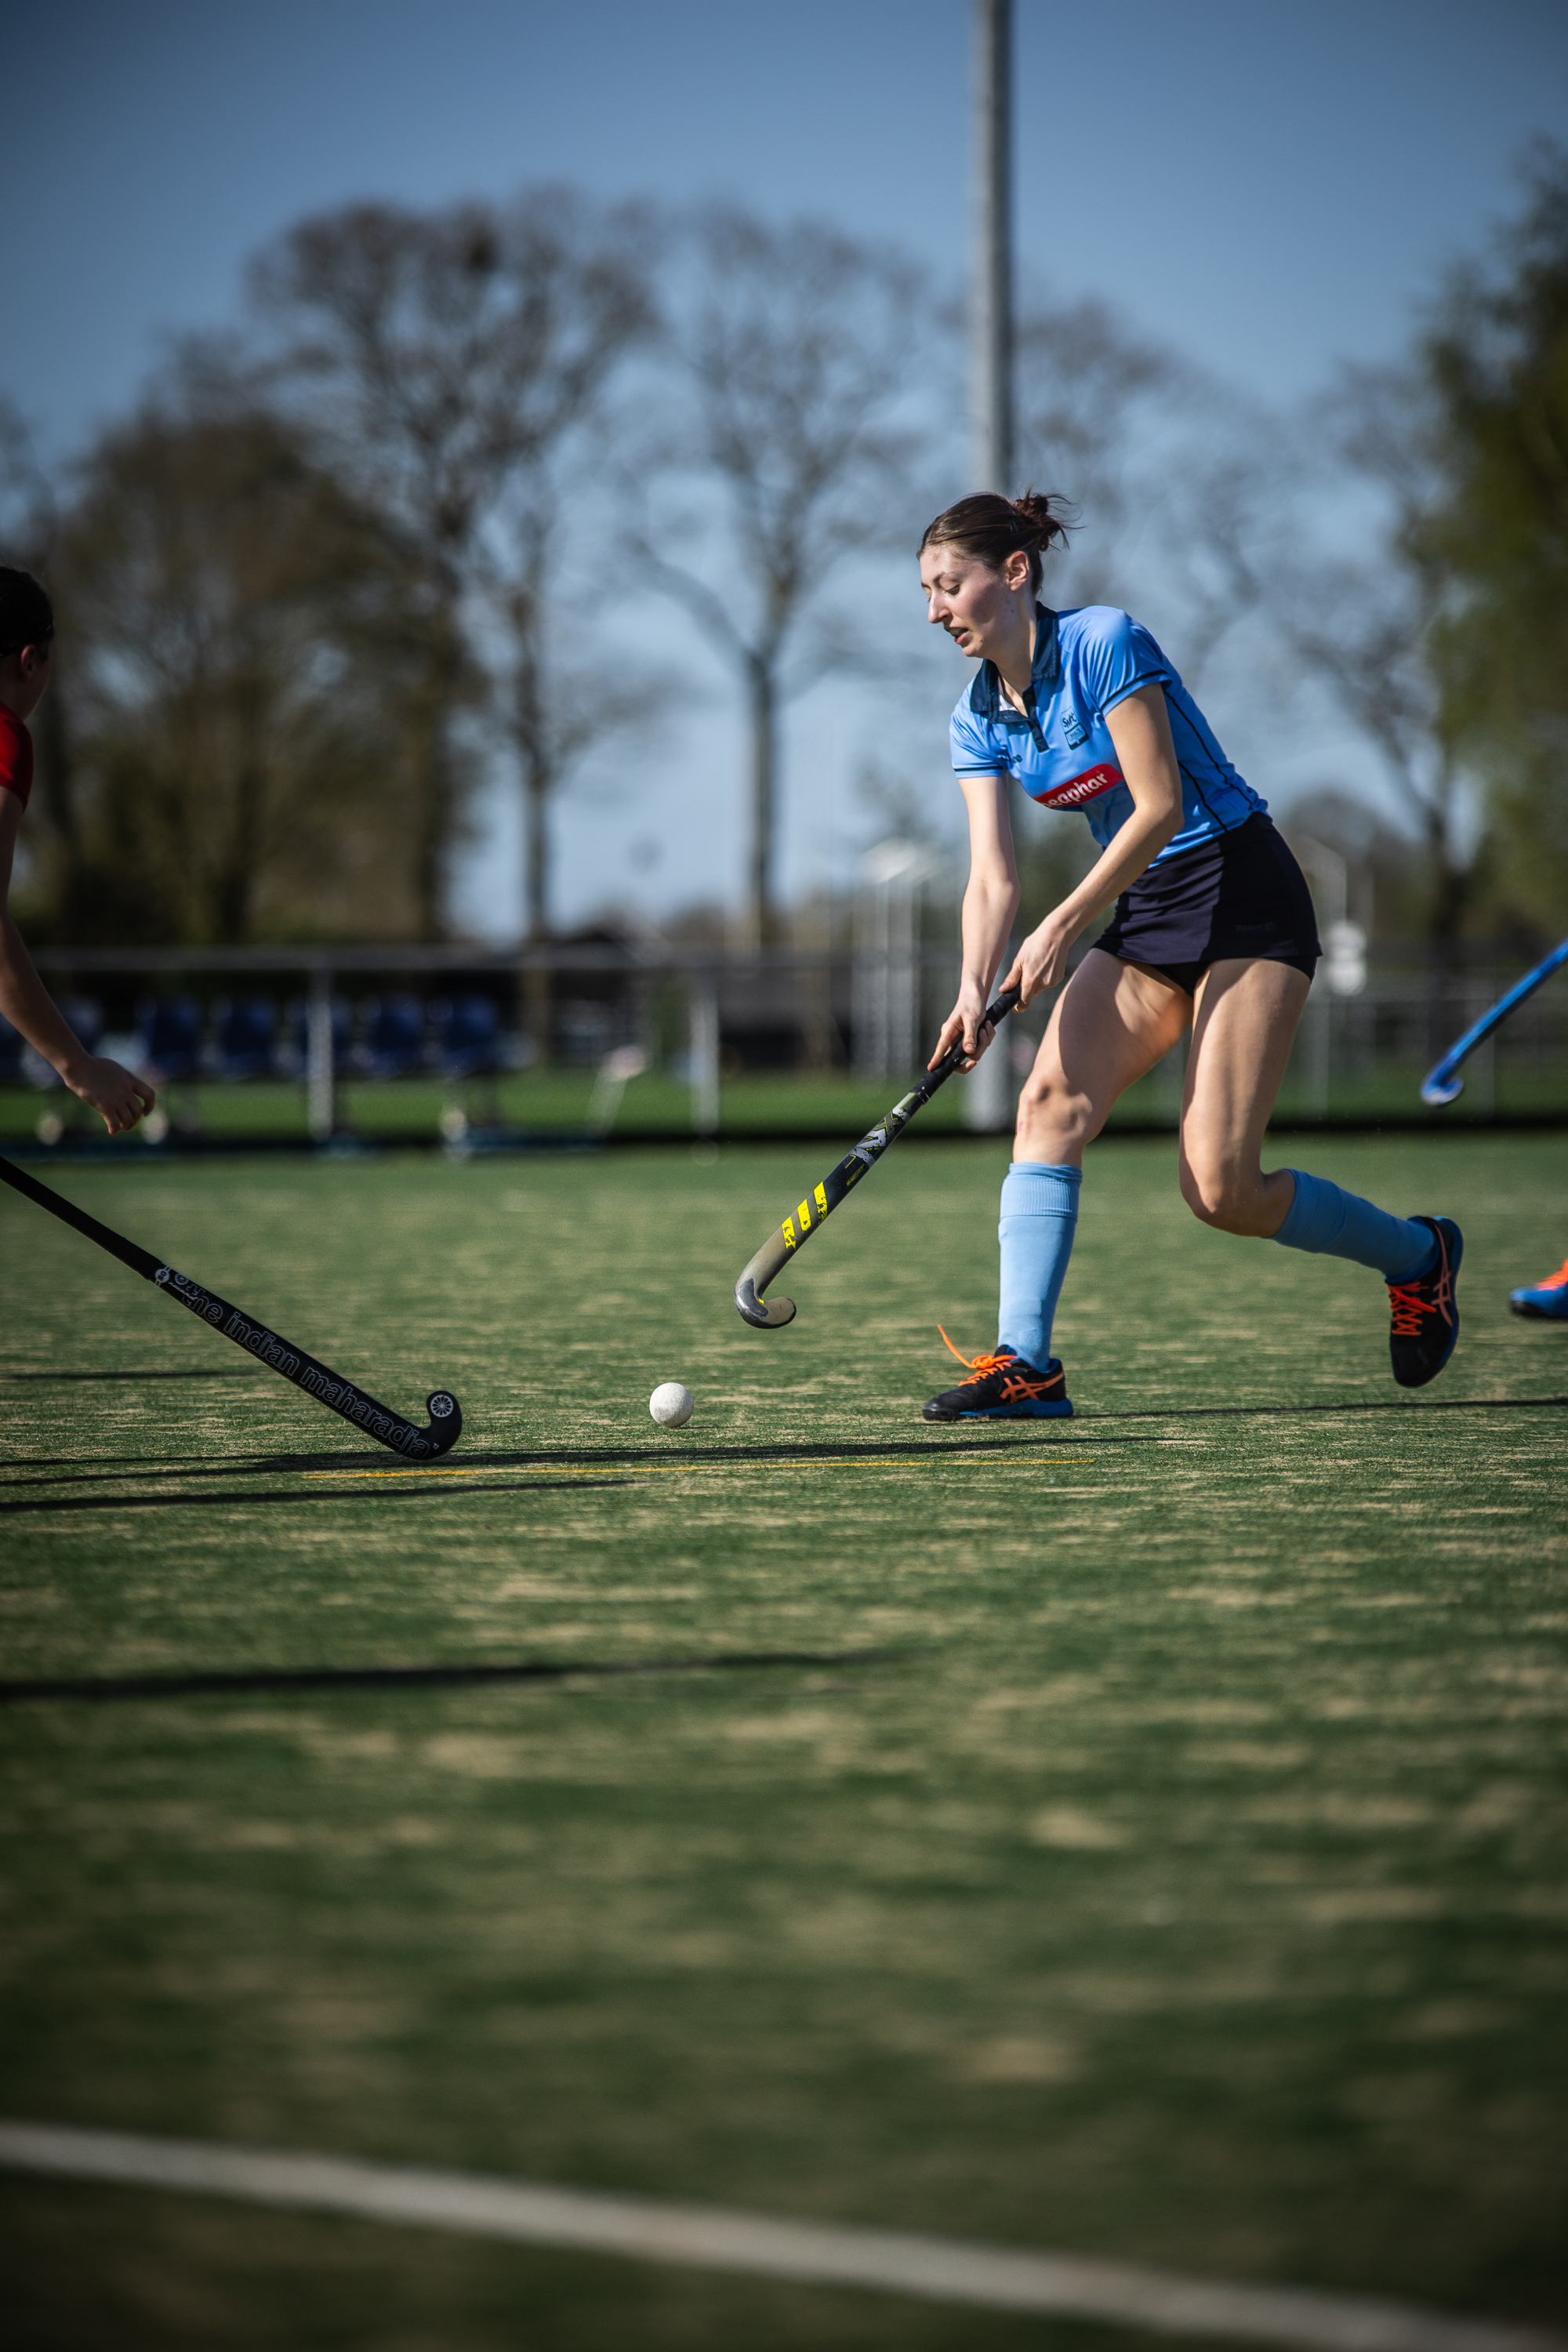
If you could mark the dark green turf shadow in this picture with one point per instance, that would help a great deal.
(1006, 1438)
(293, 1678)
(289, 1495)
(1389, 1404)
(238, 1372)
(629, 1459)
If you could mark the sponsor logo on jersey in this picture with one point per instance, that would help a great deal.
(1074, 731)
(1079, 788)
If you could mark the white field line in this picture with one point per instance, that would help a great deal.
(942, 2270)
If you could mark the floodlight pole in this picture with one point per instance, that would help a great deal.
(990, 313)
(988, 1094)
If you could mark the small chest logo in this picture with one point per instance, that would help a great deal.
(1073, 730)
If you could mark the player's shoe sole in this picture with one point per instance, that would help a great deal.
(1424, 1322)
(1005, 1388)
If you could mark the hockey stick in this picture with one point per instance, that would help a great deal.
(317, 1381)
(1443, 1087)
(797, 1229)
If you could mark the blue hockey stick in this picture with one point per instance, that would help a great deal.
(1443, 1087)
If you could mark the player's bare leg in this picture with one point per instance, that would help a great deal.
(1242, 1033)
(1111, 1025)
(1244, 1026)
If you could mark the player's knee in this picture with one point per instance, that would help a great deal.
(1217, 1195)
(1046, 1101)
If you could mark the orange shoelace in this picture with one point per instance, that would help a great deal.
(1408, 1306)
(1019, 1383)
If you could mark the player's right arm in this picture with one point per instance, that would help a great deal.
(990, 902)
(118, 1095)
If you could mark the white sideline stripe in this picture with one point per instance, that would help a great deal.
(943, 2270)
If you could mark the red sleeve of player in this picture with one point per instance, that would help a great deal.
(15, 756)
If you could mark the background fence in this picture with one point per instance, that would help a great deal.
(410, 1043)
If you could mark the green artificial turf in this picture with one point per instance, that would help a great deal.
(1179, 1878)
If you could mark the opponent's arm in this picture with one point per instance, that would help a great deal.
(990, 902)
(1139, 727)
(117, 1095)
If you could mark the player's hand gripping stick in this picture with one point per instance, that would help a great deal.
(770, 1315)
(328, 1387)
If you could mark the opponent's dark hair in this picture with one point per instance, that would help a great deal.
(995, 527)
(27, 615)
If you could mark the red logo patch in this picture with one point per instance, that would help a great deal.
(1079, 788)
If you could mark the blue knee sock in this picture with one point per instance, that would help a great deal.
(1341, 1224)
(1039, 1213)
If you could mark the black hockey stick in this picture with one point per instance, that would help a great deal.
(1444, 1084)
(338, 1395)
(821, 1202)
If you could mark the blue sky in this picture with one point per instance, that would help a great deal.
(1273, 189)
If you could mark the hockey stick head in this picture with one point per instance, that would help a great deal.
(446, 1423)
(770, 1314)
(1439, 1088)
(767, 1313)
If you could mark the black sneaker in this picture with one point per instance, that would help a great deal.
(1004, 1388)
(1426, 1313)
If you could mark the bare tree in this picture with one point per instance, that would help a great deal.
(1175, 480)
(792, 346)
(445, 356)
(565, 698)
(1368, 629)
(1087, 390)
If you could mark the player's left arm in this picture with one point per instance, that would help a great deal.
(118, 1094)
(1139, 727)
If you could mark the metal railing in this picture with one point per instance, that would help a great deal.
(709, 978)
(884, 998)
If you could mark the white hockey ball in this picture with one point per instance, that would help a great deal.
(671, 1405)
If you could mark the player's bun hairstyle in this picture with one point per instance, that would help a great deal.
(993, 528)
(27, 615)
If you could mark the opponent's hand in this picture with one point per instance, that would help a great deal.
(118, 1095)
(1042, 961)
(966, 1025)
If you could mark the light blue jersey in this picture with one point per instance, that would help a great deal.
(1086, 662)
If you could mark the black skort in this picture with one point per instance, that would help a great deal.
(1241, 895)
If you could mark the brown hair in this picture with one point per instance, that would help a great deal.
(992, 527)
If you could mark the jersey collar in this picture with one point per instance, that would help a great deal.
(987, 699)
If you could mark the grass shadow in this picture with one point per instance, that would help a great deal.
(443, 1674)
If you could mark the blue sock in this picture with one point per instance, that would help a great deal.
(1039, 1215)
(1341, 1224)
